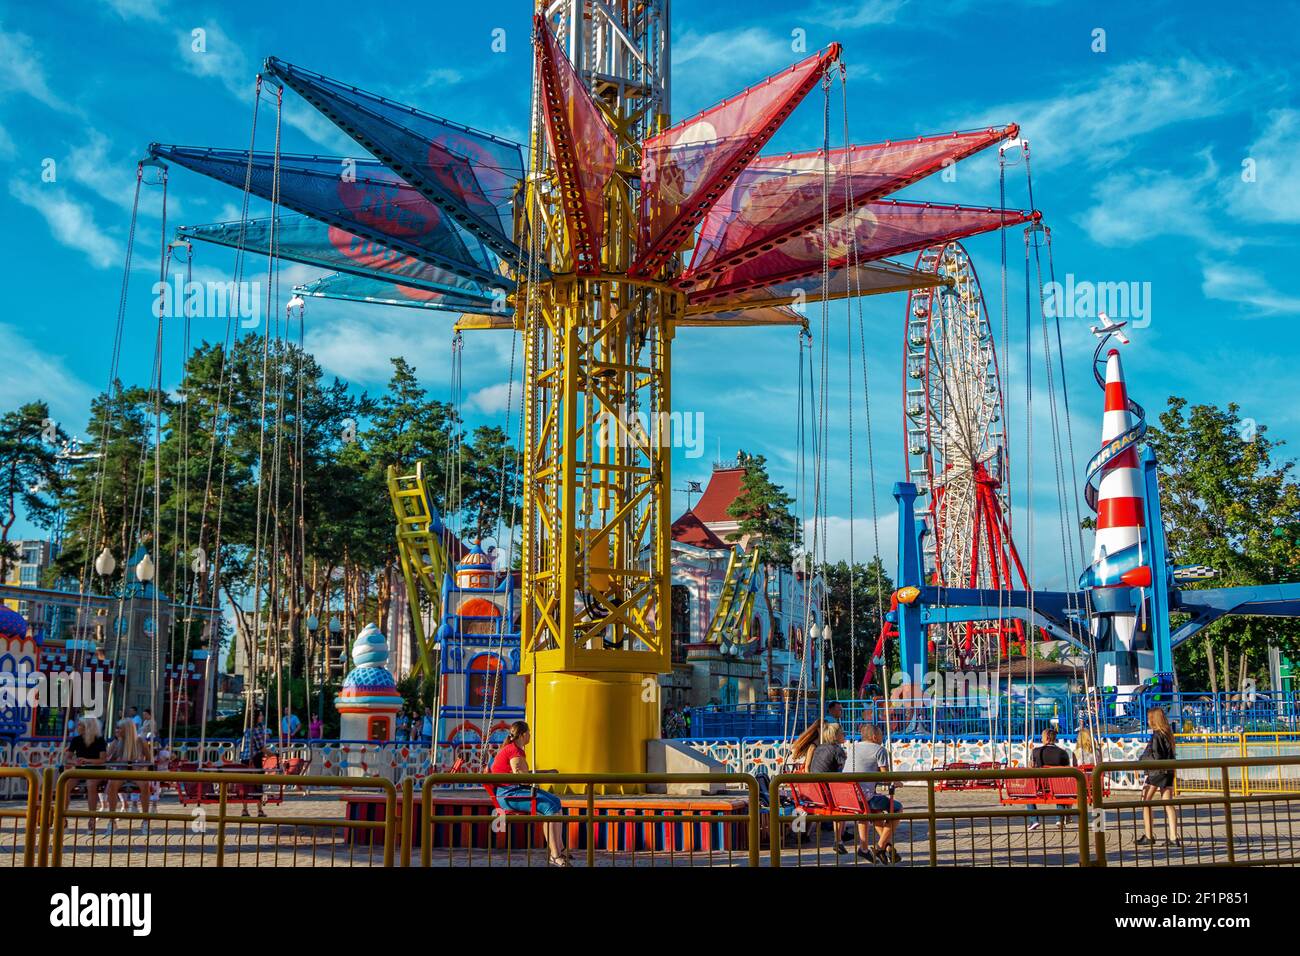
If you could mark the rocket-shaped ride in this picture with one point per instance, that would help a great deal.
(1120, 568)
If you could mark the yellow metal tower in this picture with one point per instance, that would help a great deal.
(596, 471)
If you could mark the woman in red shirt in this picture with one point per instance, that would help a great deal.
(521, 799)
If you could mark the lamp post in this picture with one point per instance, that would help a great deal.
(313, 625)
(334, 628)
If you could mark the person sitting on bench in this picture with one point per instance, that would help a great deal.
(517, 798)
(1048, 755)
(87, 749)
(869, 755)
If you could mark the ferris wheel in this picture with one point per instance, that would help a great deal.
(954, 412)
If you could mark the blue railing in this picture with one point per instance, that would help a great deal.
(1190, 712)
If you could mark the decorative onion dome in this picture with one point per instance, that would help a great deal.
(12, 624)
(367, 679)
(475, 569)
(371, 648)
(369, 687)
(478, 607)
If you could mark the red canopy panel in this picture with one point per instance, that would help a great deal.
(780, 197)
(871, 278)
(685, 169)
(583, 147)
(879, 229)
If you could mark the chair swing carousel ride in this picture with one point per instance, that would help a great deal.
(593, 245)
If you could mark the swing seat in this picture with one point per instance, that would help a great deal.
(957, 784)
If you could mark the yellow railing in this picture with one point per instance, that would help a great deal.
(1239, 823)
(1249, 778)
(30, 814)
(949, 846)
(249, 788)
(591, 816)
(1236, 826)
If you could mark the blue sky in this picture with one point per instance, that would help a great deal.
(1167, 158)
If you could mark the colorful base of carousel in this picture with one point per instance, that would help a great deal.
(688, 836)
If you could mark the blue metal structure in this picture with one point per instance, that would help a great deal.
(1063, 614)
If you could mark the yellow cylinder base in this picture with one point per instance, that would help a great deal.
(592, 723)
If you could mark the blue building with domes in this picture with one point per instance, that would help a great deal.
(482, 691)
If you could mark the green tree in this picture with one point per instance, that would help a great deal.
(1231, 502)
(490, 493)
(29, 472)
(763, 516)
(863, 604)
(762, 510)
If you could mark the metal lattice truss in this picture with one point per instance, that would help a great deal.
(956, 444)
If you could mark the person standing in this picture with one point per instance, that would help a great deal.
(1160, 783)
(254, 750)
(148, 729)
(128, 751)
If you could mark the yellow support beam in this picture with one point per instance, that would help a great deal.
(421, 553)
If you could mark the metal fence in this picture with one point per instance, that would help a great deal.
(996, 715)
(646, 831)
(1237, 822)
(996, 817)
(836, 829)
(212, 822)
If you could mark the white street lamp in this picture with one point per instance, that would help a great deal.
(144, 570)
(105, 564)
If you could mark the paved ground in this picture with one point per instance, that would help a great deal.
(307, 831)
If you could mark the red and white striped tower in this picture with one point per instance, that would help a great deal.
(1121, 523)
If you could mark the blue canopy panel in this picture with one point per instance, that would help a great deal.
(354, 288)
(302, 239)
(471, 175)
(361, 196)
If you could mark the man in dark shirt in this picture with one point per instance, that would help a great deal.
(1048, 755)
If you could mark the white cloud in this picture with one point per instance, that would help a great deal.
(837, 530)
(865, 13)
(1097, 122)
(709, 65)
(112, 178)
(1229, 282)
(495, 399)
(1273, 195)
(34, 373)
(150, 10)
(1132, 207)
(21, 70)
(222, 59)
(7, 148)
(71, 223)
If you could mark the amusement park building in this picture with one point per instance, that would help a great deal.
(770, 662)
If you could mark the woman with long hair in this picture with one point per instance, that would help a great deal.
(1161, 746)
(87, 749)
(1085, 748)
(522, 798)
(128, 751)
(801, 750)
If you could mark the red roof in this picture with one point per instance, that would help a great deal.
(689, 529)
(723, 489)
